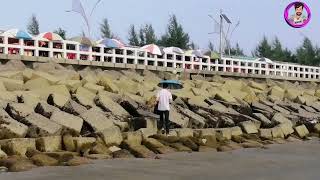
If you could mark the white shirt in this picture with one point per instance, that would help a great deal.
(164, 97)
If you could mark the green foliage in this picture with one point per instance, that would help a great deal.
(33, 26)
(150, 35)
(235, 51)
(263, 49)
(175, 35)
(133, 36)
(308, 54)
(142, 37)
(105, 29)
(61, 32)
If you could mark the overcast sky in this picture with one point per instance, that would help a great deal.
(257, 17)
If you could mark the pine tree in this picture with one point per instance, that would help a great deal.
(61, 32)
(307, 54)
(280, 54)
(133, 36)
(33, 26)
(105, 29)
(175, 35)
(263, 49)
(142, 37)
(150, 36)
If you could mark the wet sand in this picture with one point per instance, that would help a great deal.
(293, 161)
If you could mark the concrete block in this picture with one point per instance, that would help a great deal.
(236, 131)
(204, 132)
(184, 132)
(19, 111)
(111, 136)
(265, 134)
(286, 129)
(82, 143)
(68, 121)
(301, 131)
(97, 120)
(277, 133)
(40, 126)
(19, 146)
(49, 144)
(224, 133)
(249, 127)
(147, 132)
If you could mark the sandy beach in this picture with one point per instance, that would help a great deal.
(291, 161)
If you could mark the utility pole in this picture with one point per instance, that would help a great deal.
(221, 35)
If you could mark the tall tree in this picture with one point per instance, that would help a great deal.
(61, 32)
(105, 29)
(33, 25)
(133, 36)
(211, 46)
(142, 38)
(150, 35)
(279, 53)
(308, 54)
(263, 49)
(175, 35)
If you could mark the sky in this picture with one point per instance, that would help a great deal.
(257, 18)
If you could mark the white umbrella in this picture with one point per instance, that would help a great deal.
(265, 60)
(17, 33)
(152, 49)
(171, 50)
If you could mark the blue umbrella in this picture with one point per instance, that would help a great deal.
(172, 84)
(111, 43)
(16, 33)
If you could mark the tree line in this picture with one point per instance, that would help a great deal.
(307, 53)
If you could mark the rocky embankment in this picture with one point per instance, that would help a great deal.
(54, 115)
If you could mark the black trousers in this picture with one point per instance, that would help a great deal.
(164, 121)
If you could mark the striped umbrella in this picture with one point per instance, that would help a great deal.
(83, 40)
(152, 49)
(16, 33)
(111, 43)
(51, 36)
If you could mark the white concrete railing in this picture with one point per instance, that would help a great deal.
(71, 50)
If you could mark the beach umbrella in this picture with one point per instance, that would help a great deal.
(172, 84)
(213, 55)
(171, 50)
(83, 40)
(265, 60)
(197, 53)
(16, 33)
(111, 43)
(50, 36)
(152, 49)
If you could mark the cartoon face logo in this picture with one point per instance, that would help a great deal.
(297, 14)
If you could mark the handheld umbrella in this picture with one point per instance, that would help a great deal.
(172, 84)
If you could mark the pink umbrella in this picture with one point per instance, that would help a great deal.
(152, 49)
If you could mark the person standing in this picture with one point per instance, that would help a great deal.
(164, 98)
